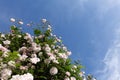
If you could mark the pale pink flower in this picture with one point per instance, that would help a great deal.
(37, 49)
(3, 49)
(11, 63)
(7, 42)
(33, 55)
(66, 78)
(63, 55)
(55, 61)
(47, 61)
(53, 71)
(28, 37)
(20, 22)
(49, 26)
(22, 49)
(52, 57)
(44, 20)
(27, 76)
(24, 67)
(72, 78)
(40, 54)
(68, 53)
(23, 57)
(74, 66)
(3, 35)
(12, 19)
(5, 74)
(47, 49)
(67, 73)
(41, 36)
(19, 36)
(34, 60)
(5, 54)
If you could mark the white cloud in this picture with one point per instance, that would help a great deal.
(111, 70)
(111, 62)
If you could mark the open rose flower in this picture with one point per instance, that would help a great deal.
(53, 71)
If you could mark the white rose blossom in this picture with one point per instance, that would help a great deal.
(22, 57)
(56, 51)
(40, 36)
(66, 78)
(20, 22)
(3, 65)
(3, 49)
(47, 61)
(27, 76)
(37, 49)
(49, 54)
(34, 60)
(72, 78)
(67, 73)
(22, 49)
(24, 67)
(16, 77)
(12, 19)
(64, 48)
(34, 44)
(7, 42)
(82, 73)
(19, 36)
(3, 35)
(53, 71)
(63, 55)
(47, 49)
(11, 63)
(40, 54)
(68, 53)
(5, 54)
(34, 55)
(5, 74)
(74, 66)
(28, 37)
(49, 26)
(52, 57)
(44, 20)
(55, 61)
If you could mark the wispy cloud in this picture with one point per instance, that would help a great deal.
(111, 70)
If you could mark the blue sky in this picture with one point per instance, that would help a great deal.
(89, 28)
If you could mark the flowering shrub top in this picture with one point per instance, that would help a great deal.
(38, 57)
(41, 56)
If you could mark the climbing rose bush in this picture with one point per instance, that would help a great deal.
(41, 56)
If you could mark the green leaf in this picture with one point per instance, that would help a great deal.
(47, 33)
(43, 77)
(15, 30)
(12, 56)
(37, 32)
(1, 53)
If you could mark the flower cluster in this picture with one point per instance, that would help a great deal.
(41, 56)
(27, 76)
